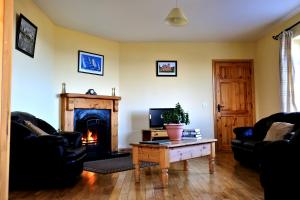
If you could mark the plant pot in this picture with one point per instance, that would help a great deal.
(174, 131)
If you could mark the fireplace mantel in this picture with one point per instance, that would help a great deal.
(71, 101)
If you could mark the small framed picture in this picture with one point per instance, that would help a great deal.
(166, 68)
(26, 36)
(90, 63)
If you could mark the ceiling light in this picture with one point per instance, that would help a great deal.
(176, 17)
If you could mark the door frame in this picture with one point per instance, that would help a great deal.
(214, 61)
(6, 34)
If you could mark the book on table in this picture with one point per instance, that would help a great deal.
(195, 130)
(191, 138)
(191, 131)
(156, 142)
(191, 134)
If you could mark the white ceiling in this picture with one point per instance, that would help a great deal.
(143, 20)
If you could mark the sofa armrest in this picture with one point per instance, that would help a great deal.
(243, 132)
(50, 140)
(276, 150)
(45, 146)
(275, 161)
(73, 138)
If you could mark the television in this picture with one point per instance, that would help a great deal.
(155, 117)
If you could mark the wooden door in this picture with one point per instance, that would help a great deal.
(234, 98)
(6, 24)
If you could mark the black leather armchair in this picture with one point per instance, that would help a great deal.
(43, 160)
(248, 144)
(280, 168)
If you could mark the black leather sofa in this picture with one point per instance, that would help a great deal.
(248, 144)
(47, 160)
(279, 168)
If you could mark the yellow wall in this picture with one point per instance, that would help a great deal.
(37, 81)
(141, 89)
(130, 67)
(267, 71)
(32, 78)
(67, 44)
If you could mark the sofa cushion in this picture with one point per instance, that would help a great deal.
(34, 128)
(278, 130)
(293, 118)
(295, 138)
(236, 142)
(71, 153)
(262, 126)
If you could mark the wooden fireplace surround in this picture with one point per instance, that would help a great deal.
(70, 101)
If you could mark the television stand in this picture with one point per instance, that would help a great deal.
(158, 128)
(154, 134)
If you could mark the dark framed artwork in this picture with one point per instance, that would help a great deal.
(166, 68)
(26, 36)
(90, 63)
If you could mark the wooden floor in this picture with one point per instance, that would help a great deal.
(230, 181)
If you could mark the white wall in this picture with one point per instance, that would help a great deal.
(141, 89)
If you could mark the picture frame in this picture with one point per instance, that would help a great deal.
(90, 63)
(166, 68)
(26, 33)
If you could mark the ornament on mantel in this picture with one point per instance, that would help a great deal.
(63, 90)
(91, 92)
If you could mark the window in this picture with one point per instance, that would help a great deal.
(296, 61)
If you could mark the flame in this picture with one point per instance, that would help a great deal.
(90, 137)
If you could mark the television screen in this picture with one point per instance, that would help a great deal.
(155, 117)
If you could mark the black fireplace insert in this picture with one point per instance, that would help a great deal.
(95, 125)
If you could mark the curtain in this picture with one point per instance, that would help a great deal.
(287, 73)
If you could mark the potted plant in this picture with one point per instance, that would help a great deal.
(174, 121)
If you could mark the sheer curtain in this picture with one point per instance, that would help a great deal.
(296, 61)
(287, 73)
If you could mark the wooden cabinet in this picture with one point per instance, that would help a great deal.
(154, 134)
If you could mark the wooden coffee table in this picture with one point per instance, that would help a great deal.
(164, 154)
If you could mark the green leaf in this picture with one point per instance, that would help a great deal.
(176, 116)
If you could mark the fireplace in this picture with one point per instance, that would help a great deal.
(95, 116)
(94, 124)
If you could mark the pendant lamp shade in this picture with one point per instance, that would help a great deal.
(176, 18)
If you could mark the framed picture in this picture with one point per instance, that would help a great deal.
(90, 63)
(26, 36)
(166, 68)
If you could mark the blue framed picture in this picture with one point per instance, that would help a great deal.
(90, 63)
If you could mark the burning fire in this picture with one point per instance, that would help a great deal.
(90, 137)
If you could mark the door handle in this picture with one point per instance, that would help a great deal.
(219, 107)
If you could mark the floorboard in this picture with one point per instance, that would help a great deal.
(230, 181)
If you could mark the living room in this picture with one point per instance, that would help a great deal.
(130, 68)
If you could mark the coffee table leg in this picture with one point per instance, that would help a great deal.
(164, 165)
(164, 177)
(136, 163)
(212, 158)
(185, 165)
(137, 173)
